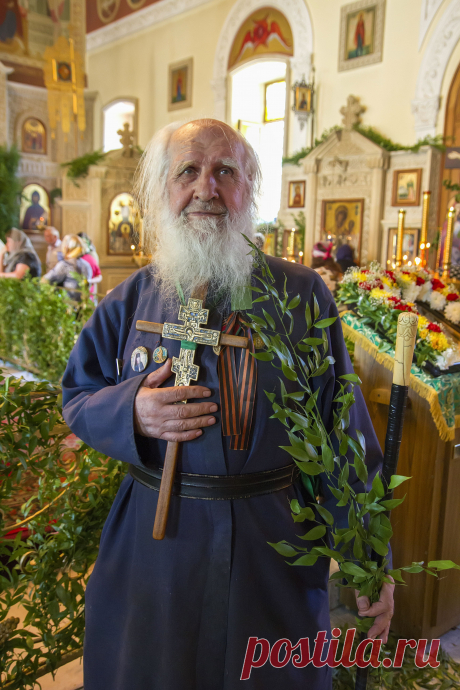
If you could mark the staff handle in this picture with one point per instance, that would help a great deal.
(166, 487)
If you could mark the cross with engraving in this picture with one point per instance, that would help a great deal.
(191, 335)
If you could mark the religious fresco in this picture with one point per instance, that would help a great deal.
(180, 84)
(99, 13)
(34, 211)
(15, 16)
(124, 224)
(342, 223)
(13, 26)
(264, 32)
(33, 136)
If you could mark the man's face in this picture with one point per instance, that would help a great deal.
(49, 237)
(35, 198)
(206, 176)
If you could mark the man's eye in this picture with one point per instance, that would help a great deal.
(225, 171)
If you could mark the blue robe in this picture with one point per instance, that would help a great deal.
(177, 614)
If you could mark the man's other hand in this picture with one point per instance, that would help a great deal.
(382, 611)
(157, 415)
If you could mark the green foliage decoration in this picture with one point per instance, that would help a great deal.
(39, 325)
(10, 189)
(79, 167)
(452, 187)
(375, 136)
(323, 455)
(46, 571)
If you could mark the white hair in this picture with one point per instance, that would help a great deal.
(53, 231)
(211, 251)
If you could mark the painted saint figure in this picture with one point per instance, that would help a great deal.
(35, 214)
(360, 35)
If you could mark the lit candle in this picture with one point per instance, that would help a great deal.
(424, 234)
(448, 244)
(400, 237)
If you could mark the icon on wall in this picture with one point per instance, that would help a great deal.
(342, 223)
(33, 136)
(123, 225)
(361, 33)
(180, 84)
(296, 194)
(34, 211)
(406, 187)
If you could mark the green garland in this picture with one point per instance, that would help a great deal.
(10, 189)
(39, 325)
(373, 135)
(79, 167)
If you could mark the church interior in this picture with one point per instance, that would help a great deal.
(353, 110)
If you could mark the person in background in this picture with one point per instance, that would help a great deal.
(54, 251)
(20, 257)
(345, 257)
(91, 249)
(97, 275)
(324, 264)
(62, 274)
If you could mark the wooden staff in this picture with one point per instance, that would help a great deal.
(404, 351)
(446, 257)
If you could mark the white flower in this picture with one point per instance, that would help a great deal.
(425, 291)
(445, 359)
(452, 311)
(411, 292)
(437, 301)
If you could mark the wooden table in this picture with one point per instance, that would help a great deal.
(427, 525)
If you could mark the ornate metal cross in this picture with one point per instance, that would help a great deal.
(190, 334)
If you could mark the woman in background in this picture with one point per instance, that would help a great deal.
(19, 257)
(345, 257)
(63, 274)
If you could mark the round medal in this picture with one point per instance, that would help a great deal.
(139, 359)
(160, 354)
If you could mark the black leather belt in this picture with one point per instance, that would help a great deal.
(219, 487)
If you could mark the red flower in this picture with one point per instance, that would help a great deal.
(393, 299)
(365, 270)
(390, 274)
(437, 284)
(365, 286)
(434, 327)
(452, 297)
(420, 281)
(406, 273)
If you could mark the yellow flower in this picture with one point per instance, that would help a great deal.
(387, 281)
(378, 293)
(423, 333)
(438, 341)
(405, 278)
(445, 291)
(422, 323)
(361, 277)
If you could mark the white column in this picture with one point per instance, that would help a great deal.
(378, 165)
(311, 169)
(4, 72)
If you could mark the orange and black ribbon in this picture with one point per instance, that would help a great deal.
(237, 394)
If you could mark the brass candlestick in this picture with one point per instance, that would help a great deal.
(446, 257)
(424, 233)
(400, 237)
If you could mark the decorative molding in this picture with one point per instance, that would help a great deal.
(425, 106)
(39, 167)
(297, 14)
(428, 11)
(138, 21)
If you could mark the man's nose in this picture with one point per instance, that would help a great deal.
(205, 187)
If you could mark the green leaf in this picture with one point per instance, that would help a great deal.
(352, 569)
(258, 320)
(378, 546)
(312, 341)
(264, 298)
(360, 469)
(295, 506)
(321, 369)
(378, 486)
(396, 480)
(396, 574)
(295, 301)
(297, 453)
(316, 310)
(308, 316)
(284, 549)
(327, 457)
(289, 372)
(269, 320)
(325, 323)
(305, 514)
(362, 441)
(353, 378)
(297, 395)
(263, 356)
(310, 468)
(308, 559)
(325, 514)
(315, 533)
(392, 503)
(443, 565)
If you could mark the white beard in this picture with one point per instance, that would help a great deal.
(207, 251)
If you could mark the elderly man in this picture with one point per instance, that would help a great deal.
(177, 614)
(54, 251)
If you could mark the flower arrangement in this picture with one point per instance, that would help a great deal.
(439, 295)
(380, 295)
